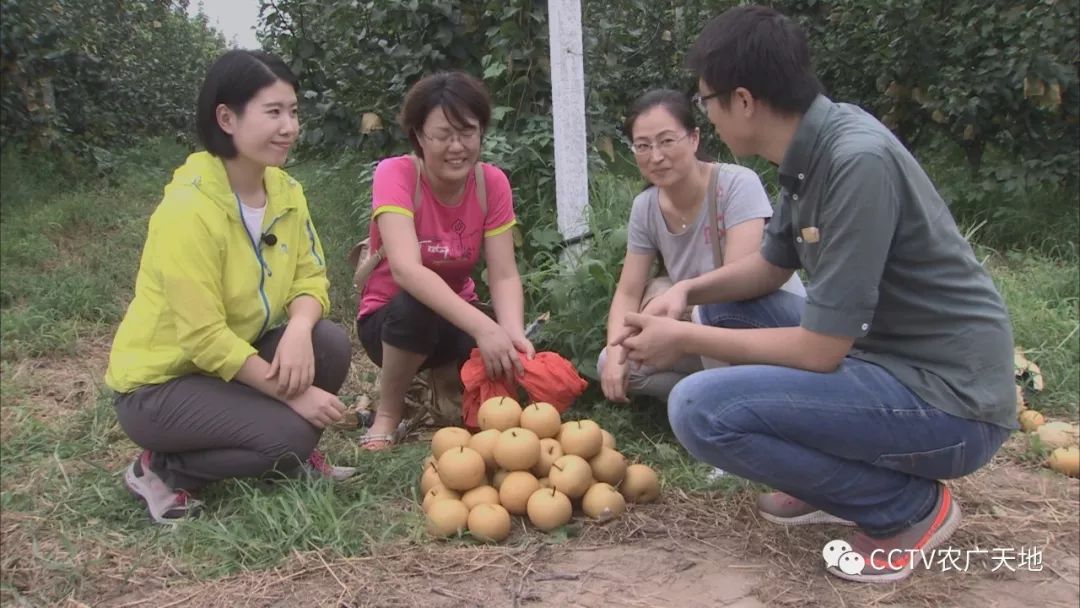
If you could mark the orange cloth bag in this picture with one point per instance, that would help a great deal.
(548, 377)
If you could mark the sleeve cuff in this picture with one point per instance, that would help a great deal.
(849, 323)
(381, 209)
(235, 360)
(777, 254)
(499, 229)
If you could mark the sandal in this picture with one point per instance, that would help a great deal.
(378, 442)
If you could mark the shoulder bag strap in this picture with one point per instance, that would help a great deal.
(711, 200)
(481, 188)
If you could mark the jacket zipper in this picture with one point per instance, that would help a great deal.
(263, 270)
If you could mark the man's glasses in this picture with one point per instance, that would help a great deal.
(665, 145)
(702, 101)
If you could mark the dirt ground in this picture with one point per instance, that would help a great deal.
(683, 551)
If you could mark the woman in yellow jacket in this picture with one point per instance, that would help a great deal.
(223, 364)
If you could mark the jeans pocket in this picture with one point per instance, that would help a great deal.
(942, 463)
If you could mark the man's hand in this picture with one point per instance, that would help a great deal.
(317, 406)
(651, 340)
(294, 360)
(671, 303)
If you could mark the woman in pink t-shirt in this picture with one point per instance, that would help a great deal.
(418, 308)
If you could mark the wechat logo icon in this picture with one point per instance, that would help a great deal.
(838, 554)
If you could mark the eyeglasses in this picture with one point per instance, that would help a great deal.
(702, 101)
(665, 145)
(465, 138)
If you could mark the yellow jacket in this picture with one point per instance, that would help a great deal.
(205, 292)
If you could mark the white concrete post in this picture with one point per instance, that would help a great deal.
(568, 114)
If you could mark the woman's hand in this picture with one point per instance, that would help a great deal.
(670, 304)
(500, 352)
(317, 406)
(615, 377)
(294, 360)
(522, 344)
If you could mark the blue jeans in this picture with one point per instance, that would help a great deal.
(855, 443)
(778, 309)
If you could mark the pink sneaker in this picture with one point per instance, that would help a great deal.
(165, 505)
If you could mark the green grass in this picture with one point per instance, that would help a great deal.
(69, 254)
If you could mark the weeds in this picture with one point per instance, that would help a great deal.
(69, 260)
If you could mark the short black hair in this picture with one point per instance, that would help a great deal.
(234, 79)
(460, 96)
(676, 103)
(756, 48)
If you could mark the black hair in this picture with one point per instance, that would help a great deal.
(234, 79)
(677, 104)
(460, 96)
(756, 48)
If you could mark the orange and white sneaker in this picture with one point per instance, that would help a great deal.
(894, 558)
(786, 510)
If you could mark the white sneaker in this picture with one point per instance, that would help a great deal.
(165, 505)
(318, 466)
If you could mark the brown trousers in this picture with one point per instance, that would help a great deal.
(202, 429)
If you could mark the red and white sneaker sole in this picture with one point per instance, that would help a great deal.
(943, 532)
(813, 518)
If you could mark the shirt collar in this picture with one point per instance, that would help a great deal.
(796, 163)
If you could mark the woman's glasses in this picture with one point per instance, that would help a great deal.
(665, 145)
(445, 138)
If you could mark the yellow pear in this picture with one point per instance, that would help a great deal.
(640, 484)
(516, 489)
(549, 508)
(1066, 461)
(498, 477)
(484, 444)
(608, 466)
(581, 438)
(517, 449)
(1031, 420)
(550, 450)
(603, 502)
(461, 469)
(429, 479)
(480, 495)
(489, 522)
(498, 413)
(448, 437)
(1057, 434)
(571, 475)
(447, 518)
(438, 493)
(609, 439)
(542, 419)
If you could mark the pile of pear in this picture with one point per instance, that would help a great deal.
(1060, 439)
(528, 462)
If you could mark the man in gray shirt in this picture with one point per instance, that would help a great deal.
(900, 374)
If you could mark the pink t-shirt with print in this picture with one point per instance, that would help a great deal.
(449, 237)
